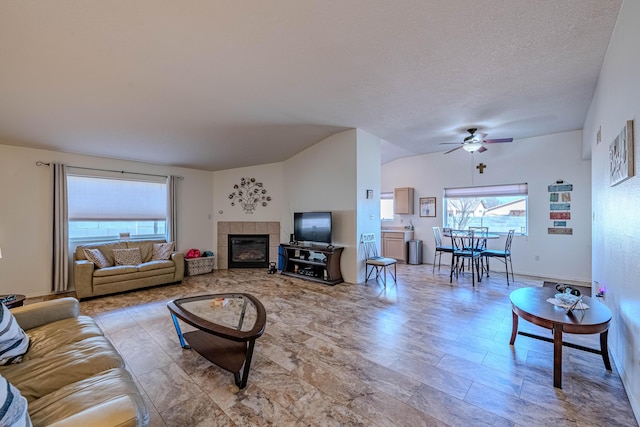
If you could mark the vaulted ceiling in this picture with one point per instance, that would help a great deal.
(218, 84)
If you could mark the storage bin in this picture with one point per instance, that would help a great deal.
(195, 266)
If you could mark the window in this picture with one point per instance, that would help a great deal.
(102, 207)
(386, 206)
(499, 207)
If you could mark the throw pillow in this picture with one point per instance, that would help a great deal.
(96, 257)
(162, 251)
(13, 406)
(13, 341)
(127, 256)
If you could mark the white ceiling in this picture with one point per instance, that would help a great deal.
(222, 84)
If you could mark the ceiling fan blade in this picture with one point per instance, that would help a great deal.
(481, 150)
(457, 148)
(493, 141)
(449, 143)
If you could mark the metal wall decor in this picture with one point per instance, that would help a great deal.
(249, 194)
(560, 207)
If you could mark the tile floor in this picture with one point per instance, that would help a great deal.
(422, 353)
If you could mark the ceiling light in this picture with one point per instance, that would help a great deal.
(473, 147)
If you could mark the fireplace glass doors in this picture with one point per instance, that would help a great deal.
(248, 250)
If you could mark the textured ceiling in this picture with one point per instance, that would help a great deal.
(219, 84)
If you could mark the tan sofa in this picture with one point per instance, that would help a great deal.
(71, 374)
(90, 281)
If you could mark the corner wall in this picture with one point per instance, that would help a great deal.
(616, 218)
(323, 178)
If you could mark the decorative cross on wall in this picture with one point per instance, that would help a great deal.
(481, 167)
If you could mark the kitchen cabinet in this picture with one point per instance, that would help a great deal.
(394, 244)
(403, 200)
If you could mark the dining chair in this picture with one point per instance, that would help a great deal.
(463, 252)
(377, 263)
(502, 255)
(440, 247)
(482, 243)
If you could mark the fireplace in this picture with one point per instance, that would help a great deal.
(248, 250)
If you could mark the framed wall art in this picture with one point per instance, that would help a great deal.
(427, 206)
(621, 156)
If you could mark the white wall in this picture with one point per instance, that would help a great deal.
(616, 220)
(271, 176)
(323, 178)
(25, 212)
(368, 178)
(537, 161)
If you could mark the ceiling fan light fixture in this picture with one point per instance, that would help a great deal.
(473, 147)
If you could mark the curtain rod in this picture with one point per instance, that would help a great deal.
(39, 163)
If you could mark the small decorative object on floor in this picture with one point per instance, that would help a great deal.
(272, 268)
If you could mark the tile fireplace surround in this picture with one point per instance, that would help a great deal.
(272, 228)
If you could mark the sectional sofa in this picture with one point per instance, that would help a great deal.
(71, 375)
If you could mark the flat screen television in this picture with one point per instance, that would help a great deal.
(312, 227)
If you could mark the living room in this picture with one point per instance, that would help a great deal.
(335, 173)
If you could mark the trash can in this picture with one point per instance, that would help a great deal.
(415, 251)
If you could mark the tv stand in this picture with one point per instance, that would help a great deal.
(310, 262)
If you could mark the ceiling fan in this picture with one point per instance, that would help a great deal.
(475, 142)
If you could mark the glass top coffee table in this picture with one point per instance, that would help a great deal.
(227, 328)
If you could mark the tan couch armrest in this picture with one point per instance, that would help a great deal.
(83, 277)
(40, 313)
(178, 258)
(117, 412)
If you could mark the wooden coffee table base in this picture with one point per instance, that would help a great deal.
(227, 328)
(531, 305)
(557, 348)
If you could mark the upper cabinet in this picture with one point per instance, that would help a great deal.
(403, 200)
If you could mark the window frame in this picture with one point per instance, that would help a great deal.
(131, 223)
(489, 191)
(387, 196)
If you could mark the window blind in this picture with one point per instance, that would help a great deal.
(100, 198)
(488, 191)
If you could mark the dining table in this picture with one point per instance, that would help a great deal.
(471, 240)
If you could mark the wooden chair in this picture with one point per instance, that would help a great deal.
(503, 256)
(440, 248)
(374, 262)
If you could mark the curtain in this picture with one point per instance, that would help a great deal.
(172, 210)
(60, 268)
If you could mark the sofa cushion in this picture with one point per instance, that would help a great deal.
(162, 251)
(127, 256)
(48, 338)
(105, 247)
(13, 407)
(155, 265)
(146, 247)
(65, 365)
(13, 341)
(74, 400)
(115, 270)
(96, 257)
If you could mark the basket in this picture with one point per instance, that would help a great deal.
(195, 266)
